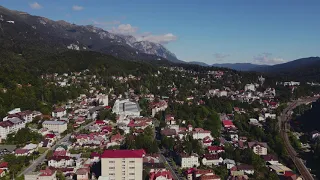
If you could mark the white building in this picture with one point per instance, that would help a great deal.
(59, 113)
(122, 164)
(55, 126)
(103, 99)
(211, 159)
(10, 126)
(259, 148)
(189, 161)
(126, 107)
(60, 161)
(249, 87)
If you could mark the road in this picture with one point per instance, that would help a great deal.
(164, 160)
(41, 158)
(284, 129)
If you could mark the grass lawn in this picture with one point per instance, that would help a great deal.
(42, 150)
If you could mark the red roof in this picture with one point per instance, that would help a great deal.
(288, 173)
(227, 123)
(94, 154)
(100, 122)
(136, 153)
(50, 136)
(59, 153)
(4, 165)
(215, 148)
(21, 151)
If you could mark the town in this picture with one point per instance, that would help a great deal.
(204, 125)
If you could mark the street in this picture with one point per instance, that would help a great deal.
(164, 160)
(283, 123)
(41, 158)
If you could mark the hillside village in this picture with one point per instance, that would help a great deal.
(190, 130)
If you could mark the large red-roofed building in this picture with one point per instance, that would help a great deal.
(119, 164)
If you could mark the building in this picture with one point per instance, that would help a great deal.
(11, 126)
(122, 164)
(46, 174)
(59, 112)
(211, 159)
(126, 108)
(55, 126)
(187, 161)
(259, 148)
(249, 87)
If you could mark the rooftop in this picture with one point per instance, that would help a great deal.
(135, 153)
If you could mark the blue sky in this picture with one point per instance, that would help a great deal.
(211, 31)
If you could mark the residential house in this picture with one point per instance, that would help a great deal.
(247, 169)
(211, 159)
(83, 174)
(59, 113)
(60, 161)
(229, 163)
(215, 149)
(160, 174)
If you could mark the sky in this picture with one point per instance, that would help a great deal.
(210, 31)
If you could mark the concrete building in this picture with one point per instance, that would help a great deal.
(249, 87)
(189, 161)
(259, 148)
(122, 164)
(126, 108)
(10, 126)
(55, 126)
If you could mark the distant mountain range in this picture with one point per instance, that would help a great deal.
(241, 66)
(20, 29)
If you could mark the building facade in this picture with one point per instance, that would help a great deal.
(55, 126)
(122, 164)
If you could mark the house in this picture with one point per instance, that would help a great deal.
(229, 162)
(270, 158)
(22, 152)
(170, 120)
(168, 132)
(94, 157)
(188, 161)
(46, 174)
(215, 149)
(279, 168)
(83, 174)
(259, 148)
(160, 174)
(60, 161)
(199, 133)
(247, 169)
(6, 149)
(59, 112)
(211, 159)
(228, 124)
(4, 166)
(2, 173)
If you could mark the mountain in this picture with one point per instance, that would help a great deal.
(240, 66)
(304, 69)
(20, 29)
(198, 63)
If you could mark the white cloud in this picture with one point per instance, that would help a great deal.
(77, 8)
(35, 5)
(162, 39)
(128, 29)
(125, 29)
(220, 56)
(266, 58)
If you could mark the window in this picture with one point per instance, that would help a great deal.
(111, 174)
(131, 173)
(123, 173)
(111, 161)
(123, 167)
(111, 167)
(131, 161)
(131, 167)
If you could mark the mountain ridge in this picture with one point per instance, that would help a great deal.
(79, 37)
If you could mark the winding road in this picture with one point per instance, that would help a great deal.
(284, 129)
